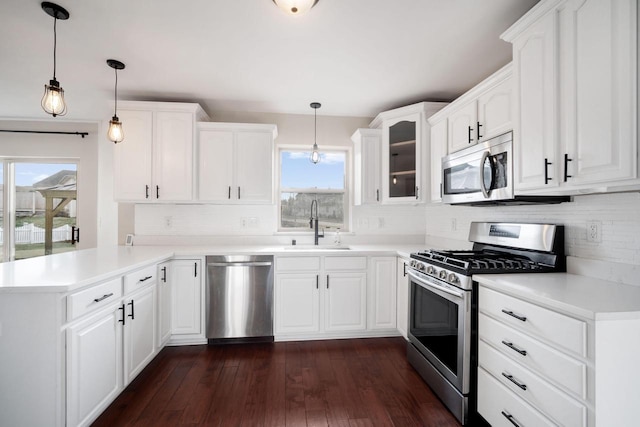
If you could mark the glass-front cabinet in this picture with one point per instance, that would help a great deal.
(402, 157)
(405, 152)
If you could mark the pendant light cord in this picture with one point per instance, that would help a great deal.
(315, 126)
(115, 110)
(55, 42)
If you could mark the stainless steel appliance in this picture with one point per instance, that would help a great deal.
(239, 298)
(483, 174)
(443, 305)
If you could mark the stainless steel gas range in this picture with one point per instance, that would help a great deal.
(443, 303)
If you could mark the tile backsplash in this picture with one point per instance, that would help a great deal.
(617, 216)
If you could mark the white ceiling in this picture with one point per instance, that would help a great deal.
(356, 57)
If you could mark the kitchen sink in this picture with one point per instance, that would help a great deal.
(315, 248)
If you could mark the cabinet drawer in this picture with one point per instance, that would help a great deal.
(539, 357)
(140, 278)
(496, 403)
(300, 263)
(539, 393)
(95, 297)
(345, 263)
(561, 330)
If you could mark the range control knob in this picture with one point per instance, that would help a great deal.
(413, 263)
(443, 275)
(420, 266)
(453, 278)
(431, 270)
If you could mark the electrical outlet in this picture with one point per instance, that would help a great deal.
(454, 224)
(380, 222)
(594, 230)
(244, 222)
(168, 221)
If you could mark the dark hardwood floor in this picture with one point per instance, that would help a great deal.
(362, 382)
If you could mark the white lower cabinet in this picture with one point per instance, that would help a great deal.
(187, 295)
(94, 365)
(139, 331)
(402, 299)
(345, 301)
(382, 293)
(108, 346)
(164, 303)
(319, 297)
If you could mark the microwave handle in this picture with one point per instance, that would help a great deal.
(485, 192)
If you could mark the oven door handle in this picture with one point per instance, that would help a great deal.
(485, 192)
(428, 284)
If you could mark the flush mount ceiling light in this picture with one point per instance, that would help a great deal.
(53, 98)
(315, 154)
(115, 132)
(295, 7)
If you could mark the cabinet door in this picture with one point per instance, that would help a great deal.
(139, 331)
(173, 156)
(254, 167)
(438, 151)
(186, 288)
(345, 302)
(599, 98)
(215, 173)
(462, 127)
(402, 283)
(367, 167)
(495, 110)
(297, 303)
(401, 161)
(132, 161)
(94, 366)
(164, 303)
(381, 293)
(534, 73)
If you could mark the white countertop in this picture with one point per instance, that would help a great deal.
(580, 296)
(73, 270)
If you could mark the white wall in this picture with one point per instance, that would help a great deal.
(619, 215)
(215, 220)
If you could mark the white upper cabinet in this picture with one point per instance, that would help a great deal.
(495, 110)
(462, 127)
(438, 151)
(405, 152)
(154, 163)
(367, 166)
(575, 68)
(236, 162)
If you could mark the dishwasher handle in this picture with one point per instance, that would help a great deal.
(240, 264)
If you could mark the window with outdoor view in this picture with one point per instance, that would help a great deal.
(301, 182)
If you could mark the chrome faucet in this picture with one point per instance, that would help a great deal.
(313, 222)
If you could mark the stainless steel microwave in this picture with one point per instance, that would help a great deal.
(480, 173)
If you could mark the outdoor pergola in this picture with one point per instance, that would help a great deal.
(66, 194)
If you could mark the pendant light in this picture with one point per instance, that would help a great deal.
(53, 98)
(115, 132)
(295, 7)
(315, 154)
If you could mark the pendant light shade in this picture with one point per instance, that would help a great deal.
(315, 153)
(295, 7)
(53, 99)
(115, 132)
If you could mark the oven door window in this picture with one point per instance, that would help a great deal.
(434, 322)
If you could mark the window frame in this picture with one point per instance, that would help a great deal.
(346, 191)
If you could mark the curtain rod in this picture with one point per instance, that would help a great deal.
(82, 134)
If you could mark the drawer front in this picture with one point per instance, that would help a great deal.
(301, 263)
(496, 404)
(93, 298)
(539, 357)
(542, 395)
(334, 263)
(140, 278)
(562, 330)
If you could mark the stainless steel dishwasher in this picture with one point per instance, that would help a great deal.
(239, 298)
